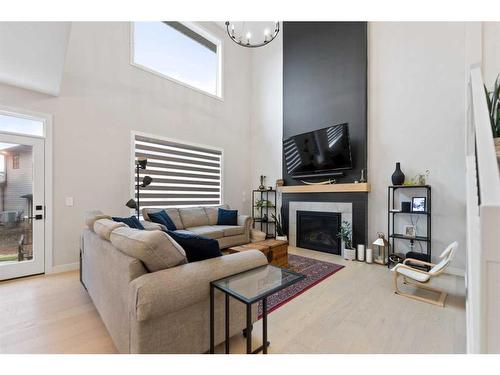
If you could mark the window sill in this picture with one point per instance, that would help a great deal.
(158, 74)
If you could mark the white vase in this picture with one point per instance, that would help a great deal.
(361, 253)
(369, 255)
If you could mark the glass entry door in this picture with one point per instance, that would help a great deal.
(22, 215)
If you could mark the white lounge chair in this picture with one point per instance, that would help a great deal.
(419, 278)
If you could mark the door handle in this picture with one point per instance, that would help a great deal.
(36, 217)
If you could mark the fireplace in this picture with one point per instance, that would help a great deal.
(318, 230)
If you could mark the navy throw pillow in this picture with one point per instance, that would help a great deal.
(161, 217)
(196, 247)
(131, 221)
(227, 217)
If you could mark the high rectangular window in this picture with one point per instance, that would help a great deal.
(183, 175)
(179, 51)
(21, 125)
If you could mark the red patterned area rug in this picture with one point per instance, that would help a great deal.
(315, 271)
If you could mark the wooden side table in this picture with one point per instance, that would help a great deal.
(276, 251)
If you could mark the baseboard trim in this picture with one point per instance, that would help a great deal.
(64, 267)
(455, 271)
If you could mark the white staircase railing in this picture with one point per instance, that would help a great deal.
(483, 225)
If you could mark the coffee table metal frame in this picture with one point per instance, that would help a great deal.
(248, 302)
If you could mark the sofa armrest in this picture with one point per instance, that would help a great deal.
(245, 221)
(162, 292)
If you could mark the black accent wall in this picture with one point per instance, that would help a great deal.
(325, 83)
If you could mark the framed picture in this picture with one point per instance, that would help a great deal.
(410, 231)
(418, 204)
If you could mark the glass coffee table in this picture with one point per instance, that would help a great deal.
(249, 287)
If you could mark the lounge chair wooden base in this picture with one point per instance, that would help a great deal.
(438, 302)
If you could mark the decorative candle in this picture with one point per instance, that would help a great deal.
(266, 34)
(361, 253)
(369, 255)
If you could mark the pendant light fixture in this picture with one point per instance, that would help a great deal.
(252, 34)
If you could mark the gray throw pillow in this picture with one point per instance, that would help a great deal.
(156, 249)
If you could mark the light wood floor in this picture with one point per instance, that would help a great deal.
(353, 311)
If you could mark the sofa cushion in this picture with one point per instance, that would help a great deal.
(161, 217)
(104, 227)
(227, 217)
(132, 222)
(173, 214)
(230, 241)
(231, 230)
(156, 249)
(197, 248)
(193, 217)
(213, 212)
(149, 225)
(210, 231)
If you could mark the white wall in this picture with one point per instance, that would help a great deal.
(103, 98)
(416, 116)
(491, 52)
(266, 115)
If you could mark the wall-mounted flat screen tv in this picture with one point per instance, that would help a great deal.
(322, 152)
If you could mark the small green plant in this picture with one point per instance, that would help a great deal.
(263, 203)
(345, 234)
(279, 227)
(493, 100)
(418, 179)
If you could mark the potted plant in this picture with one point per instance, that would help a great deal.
(493, 100)
(345, 234)
(280, 233)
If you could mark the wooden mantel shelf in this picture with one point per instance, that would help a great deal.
(332, 188)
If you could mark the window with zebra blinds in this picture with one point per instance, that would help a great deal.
(183, 174)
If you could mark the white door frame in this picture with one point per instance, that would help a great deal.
(48, 161)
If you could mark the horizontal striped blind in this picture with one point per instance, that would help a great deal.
(183, 175)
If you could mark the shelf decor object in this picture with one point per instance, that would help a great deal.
(398, 177)
(420, 207)
(252, 34)
(418, 204)
(262, 180)
(382, 253)
(405, 206)
(264, 211)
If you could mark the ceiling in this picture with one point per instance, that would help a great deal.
(32, 54)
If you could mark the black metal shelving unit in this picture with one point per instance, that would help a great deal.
(267, 226)
(392, 214)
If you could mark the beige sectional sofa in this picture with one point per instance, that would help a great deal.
(203, 221)
(150, 299)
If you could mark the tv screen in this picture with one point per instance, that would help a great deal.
(318, 153)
